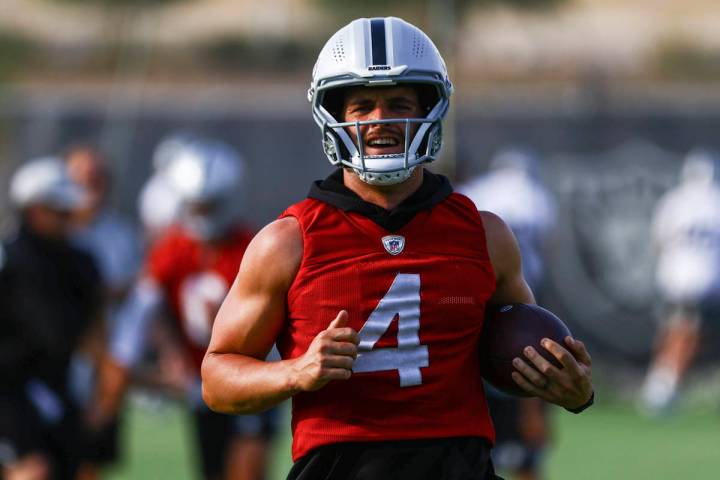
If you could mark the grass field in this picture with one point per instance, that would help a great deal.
(607, 441)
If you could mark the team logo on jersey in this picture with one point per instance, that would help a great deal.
(394, 244)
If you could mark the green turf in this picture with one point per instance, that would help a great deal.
(604, 442)
(614, 442)
(157, 445)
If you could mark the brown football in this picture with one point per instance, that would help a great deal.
(507, 330)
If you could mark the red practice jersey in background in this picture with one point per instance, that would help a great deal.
(417, 298)
(195, 278)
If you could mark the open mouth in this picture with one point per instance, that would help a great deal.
(383, 145)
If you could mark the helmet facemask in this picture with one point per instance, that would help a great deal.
(384, 169)
(209, 219)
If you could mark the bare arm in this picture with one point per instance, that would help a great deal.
(570, 386)
(236, 378)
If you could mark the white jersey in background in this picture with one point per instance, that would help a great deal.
(686, 233)
(115, 245)
(511, 191)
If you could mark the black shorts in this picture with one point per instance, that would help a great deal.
(215, 431)
(458, 458)
(23, 431)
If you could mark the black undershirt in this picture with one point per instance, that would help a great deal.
(50, 295)
(434, 189)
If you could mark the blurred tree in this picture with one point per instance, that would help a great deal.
(123, 3)
(238, 53)
(526, 4)
(681, 58)
(355, 8)
(16, 52)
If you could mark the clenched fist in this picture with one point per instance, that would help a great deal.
(331, 355)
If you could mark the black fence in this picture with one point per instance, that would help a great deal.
(607, 169)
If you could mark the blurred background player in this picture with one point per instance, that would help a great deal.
(112, 239)
(513, 190)
(190, 269)
(51, 303)
(115, 245)
(686, 234)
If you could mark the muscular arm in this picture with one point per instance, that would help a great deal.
(570, 386)
(236, 378)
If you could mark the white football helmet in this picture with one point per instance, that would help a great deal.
(206, 175)
(45, 181)
(165, 150)
(380, 52)
(700, 167)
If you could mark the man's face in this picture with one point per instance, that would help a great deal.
(47, 221)
(373, 103)
(85, 167)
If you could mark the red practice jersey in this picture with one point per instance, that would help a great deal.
(195, 278)
(417, 298)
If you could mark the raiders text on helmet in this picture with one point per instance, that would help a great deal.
(380, 52)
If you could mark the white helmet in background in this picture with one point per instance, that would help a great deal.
(700, 167)
(165, 150)
(45, 181)
(380, 52)
(516, 159)
(206, 175)
(158, 205)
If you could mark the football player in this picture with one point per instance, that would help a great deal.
(190, 269)
(51, 306)
(115, 245)
(686, 234)
(375, 286)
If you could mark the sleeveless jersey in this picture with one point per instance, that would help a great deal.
(417, 298)
(195, 278)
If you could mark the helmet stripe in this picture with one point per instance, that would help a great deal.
(377, 39)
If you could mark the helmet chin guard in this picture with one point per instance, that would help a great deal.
(380, 52)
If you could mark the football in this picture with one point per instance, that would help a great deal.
(506, 332)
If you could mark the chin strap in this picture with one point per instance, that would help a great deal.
(391, 178)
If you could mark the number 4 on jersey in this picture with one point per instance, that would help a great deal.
(402, 300)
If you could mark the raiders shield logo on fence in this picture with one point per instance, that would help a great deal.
(394, 244)
(602, 273)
